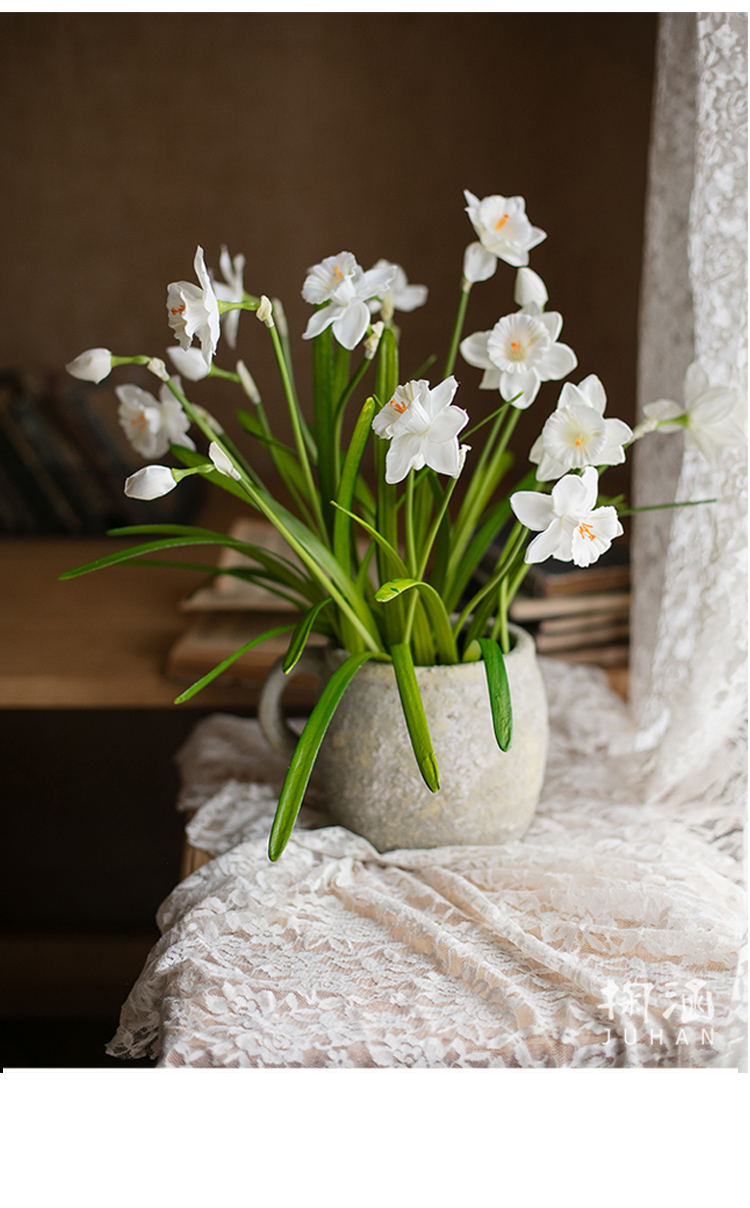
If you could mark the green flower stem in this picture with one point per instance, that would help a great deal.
(483, 483)
(257, 499)
(432, 535)
(411, 553)
(115, 361)
(299, 440)
(517, 535)
(460, 317)
(655, 507)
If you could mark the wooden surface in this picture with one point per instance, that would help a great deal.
(101, 640)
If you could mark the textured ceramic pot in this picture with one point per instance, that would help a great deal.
(367, 766)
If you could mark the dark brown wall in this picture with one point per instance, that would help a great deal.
(130, 138)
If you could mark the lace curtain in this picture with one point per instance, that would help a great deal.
(611, 935)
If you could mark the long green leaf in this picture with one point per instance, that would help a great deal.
(439, 619)
(303, 760)
(206, 679)
(342, 520)
(499, 688)
(302, 631)
(416, 721)
(398, 561)
(203, 538)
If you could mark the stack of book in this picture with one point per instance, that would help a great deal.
(64, 459)
(579, 614)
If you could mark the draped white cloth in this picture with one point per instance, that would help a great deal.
(613, 933)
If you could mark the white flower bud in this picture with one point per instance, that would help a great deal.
(372, 341)
(529, 288)
(159, 369)
(150, 483)
(479, 264)
(190, 362)
(91, 366)
(248, 383)
(222, 462)
(265, 311)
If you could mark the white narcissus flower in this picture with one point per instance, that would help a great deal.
(140, 420)
(529, 287)
(399, 295)
(174, 421)
(190, 363)
(571, 528)
(91, 366)
(577, 434)
(231, 289)
(222, 462)
(519, 353)
(503, 228)
(152, 425)
(194, 311)
(423, 429)
(715, 417)
(150, 483)
(342, 283)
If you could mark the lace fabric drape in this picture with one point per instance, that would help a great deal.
(612, 934)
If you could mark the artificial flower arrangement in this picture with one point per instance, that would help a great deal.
(407, 597)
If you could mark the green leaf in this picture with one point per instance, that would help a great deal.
(302, 631)
(497, 682)
(342, 520)
(303, 760)
(200, 537)
(416, 721)
(380, 539)
(206, 679)
(436, 611)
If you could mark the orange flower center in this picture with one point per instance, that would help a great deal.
(586, 531)
(397, 406)
(501, 222)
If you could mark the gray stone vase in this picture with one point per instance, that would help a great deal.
(367, 768)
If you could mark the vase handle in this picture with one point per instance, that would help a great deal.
(278, 733)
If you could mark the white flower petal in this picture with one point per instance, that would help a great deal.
(319, 321)
(558, 361)
(474, 350)
(350, 326)
(554, 542)
(593, 389)
(405, 454)
(441, 396)
(527, 384)
(533, 509)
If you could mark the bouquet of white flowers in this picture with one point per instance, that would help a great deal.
(407, 597)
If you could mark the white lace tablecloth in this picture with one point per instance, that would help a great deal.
(611, 935)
